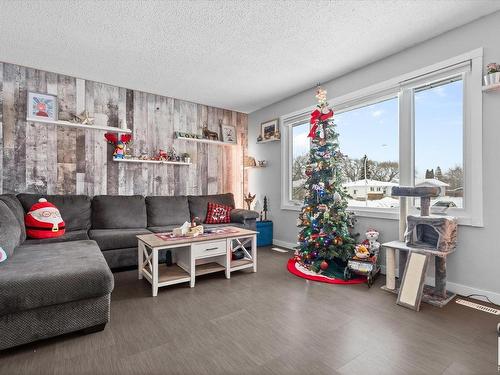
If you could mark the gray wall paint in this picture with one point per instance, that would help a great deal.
(476, 263)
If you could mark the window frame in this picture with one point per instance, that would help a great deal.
(469, 66)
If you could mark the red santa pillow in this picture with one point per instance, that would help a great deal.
(44, 220)
(218, 213)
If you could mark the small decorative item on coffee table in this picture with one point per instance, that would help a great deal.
(194, 256)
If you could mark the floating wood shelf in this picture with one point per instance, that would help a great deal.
(203, 140)
(255, 166)
(494, 87)
(268, 140)
(81, 126)
(150, 161)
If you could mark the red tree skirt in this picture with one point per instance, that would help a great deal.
(295, 268)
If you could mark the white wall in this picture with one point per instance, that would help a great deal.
(476, 264)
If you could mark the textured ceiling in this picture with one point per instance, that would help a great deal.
(240, 55)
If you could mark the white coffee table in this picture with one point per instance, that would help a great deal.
(195, 256)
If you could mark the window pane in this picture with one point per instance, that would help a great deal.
(439, 142)
(369, 138)
(300, 157)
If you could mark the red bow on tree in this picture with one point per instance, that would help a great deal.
(317, 116)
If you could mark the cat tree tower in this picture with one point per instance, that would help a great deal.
(434, 235)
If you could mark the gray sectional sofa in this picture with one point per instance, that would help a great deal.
(55, 286)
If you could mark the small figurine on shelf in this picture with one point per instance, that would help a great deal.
(208, 134)
(249, 199)
(83, 118)
(161, 156)
(186, 158)
(119, 143)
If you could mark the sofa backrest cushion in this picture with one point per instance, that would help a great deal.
(17, 209)
(75, 209)
(118, 212)
(10, 232)
(198, 204)
(163, 210)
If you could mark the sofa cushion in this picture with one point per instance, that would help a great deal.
(17, 208)
(163, 229)
(198, 204)
(74, 209)
(75, 235)
(49, 274)
(10, 233)
(118, 211)
(163, 210)
(116, 238)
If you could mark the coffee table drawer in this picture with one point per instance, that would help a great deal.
(208, 249)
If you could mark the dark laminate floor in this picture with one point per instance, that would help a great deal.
(266, 323)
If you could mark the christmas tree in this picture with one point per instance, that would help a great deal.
(325, 241)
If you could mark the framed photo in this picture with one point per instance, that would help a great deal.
(41, 106)
(229, 134)
(270, 130)
(412, 285)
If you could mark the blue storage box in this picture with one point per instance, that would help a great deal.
(265, 236)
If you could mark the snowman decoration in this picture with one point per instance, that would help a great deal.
(372, 238)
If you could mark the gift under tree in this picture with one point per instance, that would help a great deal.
(325, 241)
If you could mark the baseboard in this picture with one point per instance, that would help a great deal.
(461, 289)
(286, 245)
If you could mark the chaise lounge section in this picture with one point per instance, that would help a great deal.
(49, 289)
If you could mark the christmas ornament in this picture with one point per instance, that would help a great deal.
(324, 265)
(309, 170)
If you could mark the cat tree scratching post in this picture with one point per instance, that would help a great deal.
(435, 235)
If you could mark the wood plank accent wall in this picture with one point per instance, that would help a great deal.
(45, 158)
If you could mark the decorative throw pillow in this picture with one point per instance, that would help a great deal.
(218, 213)
(10, 232)
(44, 220)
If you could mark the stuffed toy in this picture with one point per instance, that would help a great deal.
(371, 240)
(119, 143)
(44, 221)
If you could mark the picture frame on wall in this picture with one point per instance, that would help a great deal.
(41, 107)
(229, 134)
(269, 131)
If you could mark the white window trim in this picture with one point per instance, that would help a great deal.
(402, 86)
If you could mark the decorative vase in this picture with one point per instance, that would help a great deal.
(492, 79)
(187, 160)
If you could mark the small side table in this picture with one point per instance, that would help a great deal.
(265, 236)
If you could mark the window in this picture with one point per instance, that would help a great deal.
(439, 140)
(419, 129)
(300, 157)
(368, 136)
